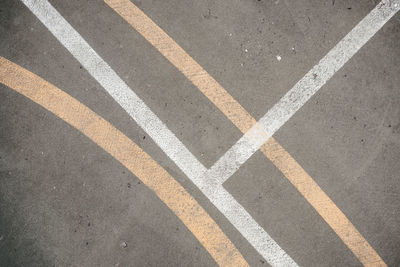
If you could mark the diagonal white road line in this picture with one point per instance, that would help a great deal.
(210, 184)
(303, 90)
(158, 131)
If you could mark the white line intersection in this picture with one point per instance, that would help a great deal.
(209, 181)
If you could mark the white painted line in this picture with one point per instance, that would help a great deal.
(114, 85)
(303, 90)
(159, 132)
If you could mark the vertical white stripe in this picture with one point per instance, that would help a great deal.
(303, 90)
(152, 125)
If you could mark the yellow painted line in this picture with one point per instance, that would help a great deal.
(181, 60)
(244, 121)
(129, 155)
(322, 203)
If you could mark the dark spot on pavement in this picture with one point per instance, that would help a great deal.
(209, 15)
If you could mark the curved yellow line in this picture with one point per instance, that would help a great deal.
(128, 154)
(292, 170)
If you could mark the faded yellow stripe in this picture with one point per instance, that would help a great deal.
(181, 60)
(321, 203)
(128, 154)
(244, 121)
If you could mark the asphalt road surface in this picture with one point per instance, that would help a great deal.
(129, 134)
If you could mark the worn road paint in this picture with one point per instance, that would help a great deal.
(288, 105)
(182, 61)
(321, 202)
(158, 131)
(118, 145)
(303, 90)
(244, 121)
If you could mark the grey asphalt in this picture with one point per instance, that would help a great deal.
(66, 202)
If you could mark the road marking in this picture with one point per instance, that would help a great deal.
(244, 121)
(182, 61)
(157, 130)
(303, 90)
(321, 202)
(114, 142)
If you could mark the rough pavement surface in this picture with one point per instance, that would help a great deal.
(66, 202)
